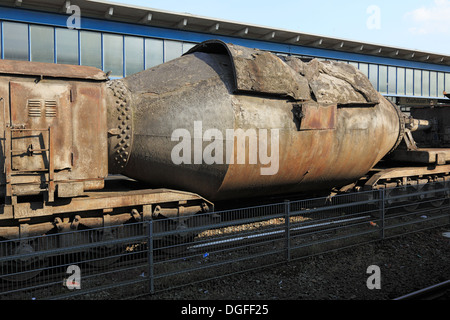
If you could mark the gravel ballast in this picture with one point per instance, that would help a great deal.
(406, 264)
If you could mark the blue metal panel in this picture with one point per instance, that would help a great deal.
(79, 47)
(60, 20)
(55, 50)
(1, 40)
(29, 43)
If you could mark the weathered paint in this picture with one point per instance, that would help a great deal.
(54, 122)
(337, 137)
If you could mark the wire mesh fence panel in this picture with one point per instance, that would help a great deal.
(165, 253)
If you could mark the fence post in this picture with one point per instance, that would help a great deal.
(150, 257)
(287, 220)
(383, 210)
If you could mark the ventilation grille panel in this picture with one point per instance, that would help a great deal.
(34, 108)
(50, 108)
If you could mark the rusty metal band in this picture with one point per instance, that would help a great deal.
(124, 119)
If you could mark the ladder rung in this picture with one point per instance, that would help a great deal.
(28, 171)
(33, 150)
(26, 151)
(42, 130)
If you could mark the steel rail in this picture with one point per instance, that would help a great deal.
(429, 293)
(271, 233)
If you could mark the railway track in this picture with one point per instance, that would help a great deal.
(225, 238)
(434, 292)
(137, 255)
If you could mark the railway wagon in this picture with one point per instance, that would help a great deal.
(222, 122)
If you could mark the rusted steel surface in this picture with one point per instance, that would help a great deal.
(438, 125)
(438, 156)
(399, 173)
(316, 125)
(40, 106)
(108, 204)
(108, 200)
(55, 148)
(226, 87)
(332, 82)
(120, 124)
(259, 71)
(54, 130)
(312, 116)
(27, 68)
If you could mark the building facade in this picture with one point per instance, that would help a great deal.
(124, 40)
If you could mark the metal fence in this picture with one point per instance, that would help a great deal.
(135, 259)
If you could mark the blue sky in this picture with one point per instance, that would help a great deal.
(415, 24)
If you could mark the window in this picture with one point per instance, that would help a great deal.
(154, 52)
(440, 84)
(172, 50)
(42, 42)
(382, 79)
(392, 80)
(113, 54)
(426, 83)
(409, 82)
(134, 55)
(417, 82)
(66, 46)
(188, 46)
(364, 68)
(91, 49)
(355, 64)
(401, 81)
(373, 75)
(15, 41)
(447, 82)
(433, 84)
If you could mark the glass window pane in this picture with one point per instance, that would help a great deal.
(154, 52)
(426, 83)
(172, 50)
(355, 64)
(392, 80)
(91, 49)
(15, 41)
(188, 46)
(409, 82)
(441, 84)
(113, 54)
(42, 41)
(401, 81)
(134, 55)
(373, 75)
(433, 84)
(447, 82)
(382, 79)
(364, 68)
(417, 82)
(66, 46)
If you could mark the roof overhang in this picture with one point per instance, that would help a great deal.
(100, 9)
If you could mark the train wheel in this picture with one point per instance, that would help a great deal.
(27, 265)
(398, 198)
(176, 243)
(438, 198)
(104, 255)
